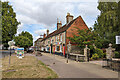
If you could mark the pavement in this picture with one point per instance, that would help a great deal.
(74, 69)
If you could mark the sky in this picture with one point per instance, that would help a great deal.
(36, 16)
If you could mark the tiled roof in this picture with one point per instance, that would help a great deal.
(38, 39)
(62, 29)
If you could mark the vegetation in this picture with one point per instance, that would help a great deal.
(24, 39)
(117, 54)
(83, 37)
(104, 31)
(9, 23)
(28, 67)
(106, 25)
(95, 56)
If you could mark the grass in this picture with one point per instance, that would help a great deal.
(28, 67)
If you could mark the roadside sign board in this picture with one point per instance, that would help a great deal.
(117, 39)
(20, 52)
(10, 43)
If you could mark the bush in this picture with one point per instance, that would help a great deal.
(100, 53)
(95, 56)
(104, 55)
(117, 54)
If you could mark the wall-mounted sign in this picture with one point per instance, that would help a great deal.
(20, 52)
(117, 39)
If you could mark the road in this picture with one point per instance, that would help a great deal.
(5, 53)
(75, 69)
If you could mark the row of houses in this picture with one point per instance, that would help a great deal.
(57, 41)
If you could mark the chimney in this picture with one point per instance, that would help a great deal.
(69, 18)
(59, 24)
(47, 32)
(44, 35)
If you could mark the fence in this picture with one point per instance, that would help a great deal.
(111, 64)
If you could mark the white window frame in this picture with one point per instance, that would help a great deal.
(61, 48)
(61, 37)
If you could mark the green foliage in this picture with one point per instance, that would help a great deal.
(95, 56)
(118, 11)
(99, 52)
(9, 23)
(24, 39)
(117, 54)
(26, 34)
(106, 25)
(83, 37)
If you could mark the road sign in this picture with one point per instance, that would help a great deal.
(11, 43)
(117, 39)
(20, 52)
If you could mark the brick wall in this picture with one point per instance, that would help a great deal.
(79, 23)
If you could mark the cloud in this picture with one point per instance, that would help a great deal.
(40, 32)
(36, 16)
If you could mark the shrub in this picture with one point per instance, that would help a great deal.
(104, 55)
(117, 54)
(95, 56)
(99, 52)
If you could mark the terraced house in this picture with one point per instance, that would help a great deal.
(57, 41)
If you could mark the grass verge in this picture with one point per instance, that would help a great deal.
(28, 67)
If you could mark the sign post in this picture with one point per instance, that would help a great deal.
(118, 39)
(10, 43)
(118, 42)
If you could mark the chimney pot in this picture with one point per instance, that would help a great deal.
(69, 18)
(47, 32)
(44, 35)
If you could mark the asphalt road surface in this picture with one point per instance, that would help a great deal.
(76, 69)
(5, 53)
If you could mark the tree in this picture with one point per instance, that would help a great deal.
(83, 37)
(9, 23)
(118, 11)
(26, 34)
(24, 39)
(106, 25)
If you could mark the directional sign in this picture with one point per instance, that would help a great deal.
(11, 43)
(117, 39)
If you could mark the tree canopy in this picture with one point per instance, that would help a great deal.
(24, 39)
(9, 23)
(107, 23)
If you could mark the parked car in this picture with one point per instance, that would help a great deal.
(30, 50)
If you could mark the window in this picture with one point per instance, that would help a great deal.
(51, 40)
(48, 48)
(58, 48)
(56, 38)
(61, 38)
(61, 48)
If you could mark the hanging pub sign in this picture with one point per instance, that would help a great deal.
(117, 39)
(20, 52)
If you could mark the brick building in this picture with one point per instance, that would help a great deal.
(57, 41)
(38, 44)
